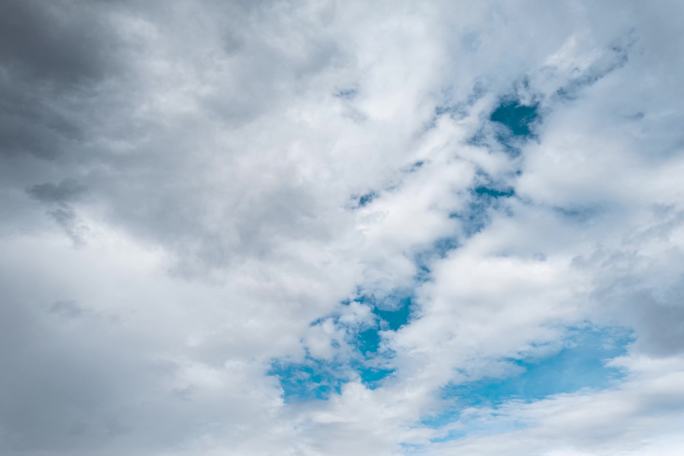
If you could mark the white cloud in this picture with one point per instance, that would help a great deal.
(207, 160)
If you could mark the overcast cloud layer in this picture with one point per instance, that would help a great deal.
(341, 228)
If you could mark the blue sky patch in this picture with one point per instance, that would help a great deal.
(318, 379)
(493, 192)
(483, 197)
(398, 315)
(311, 379)
(579, 364)
(373, 377)
(518, 118)
(367, 198)
(368, 341)
(393, 311)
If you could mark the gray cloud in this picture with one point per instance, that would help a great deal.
(68, 309)
(64, 43)
(62, 192)
(202, 156)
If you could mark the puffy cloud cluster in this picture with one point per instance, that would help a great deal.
(194, 192)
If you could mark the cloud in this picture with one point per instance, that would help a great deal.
(205, 207)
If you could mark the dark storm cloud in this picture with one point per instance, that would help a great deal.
(76, 81)
(62, 43)
(53, 55)
(83, 122)
(30, 123)
(61, 192)
(57, 198)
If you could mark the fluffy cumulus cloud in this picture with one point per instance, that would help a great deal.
(333, 228)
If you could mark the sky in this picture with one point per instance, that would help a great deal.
(303, 228)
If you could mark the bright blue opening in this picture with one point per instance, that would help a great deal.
(581, 363)
(491, 192)
(372, 377)
(516, 117)
(318, 379)
(368, 341)
(311, 379)
(396, 316)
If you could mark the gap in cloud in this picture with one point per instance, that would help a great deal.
(484, 197)
(511, 122)
(368, 361)
(439, 249)
(394, 311)
(493, 192)
(365, 199)
(517, 118)
(390, 312)
(581, 363)
(372, 376)
(318, 379)
(366, 358)
(311, 379)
